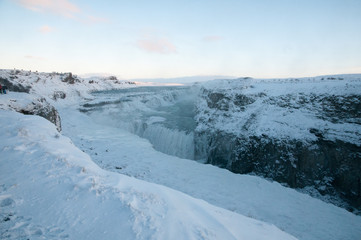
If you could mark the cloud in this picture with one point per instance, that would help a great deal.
(46, 29)
(60, 7)
(212, 38)
(155, 45)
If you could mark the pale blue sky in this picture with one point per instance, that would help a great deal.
(150, 39)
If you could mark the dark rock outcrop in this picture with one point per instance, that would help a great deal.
(328, 161)
(71, 79)
(41, 107)
(59, 95)
(333, 168)
(13, 86)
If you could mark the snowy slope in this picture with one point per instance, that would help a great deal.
(281, 108)
(298, 214)
(54, 85)
(52, 190)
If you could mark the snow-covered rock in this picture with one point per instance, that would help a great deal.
(30, 105)
(303, 132)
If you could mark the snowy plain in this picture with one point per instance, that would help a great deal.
(51, 189)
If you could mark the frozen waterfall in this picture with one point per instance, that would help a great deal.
(162, 115)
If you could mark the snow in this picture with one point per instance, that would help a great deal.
(46, 84)
(298, 214)
(16, 101)
(94, 181)
(292, 121)
(52, 190)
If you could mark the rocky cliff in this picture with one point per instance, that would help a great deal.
(305, 133)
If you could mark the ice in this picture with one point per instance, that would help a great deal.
(163, 115)
(171, 141)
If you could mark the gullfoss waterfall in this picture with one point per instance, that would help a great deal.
(162, 115)
(249, 126)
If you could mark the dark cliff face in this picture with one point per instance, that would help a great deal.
(42, 108)
(332, 168)
(312, 140)
(14, 87)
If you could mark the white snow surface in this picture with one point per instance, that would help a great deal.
(46, 84)
(17, 101)
(265, 117)
(50, 189)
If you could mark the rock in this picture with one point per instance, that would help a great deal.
(12, 86)
(326, 156)
(112, 78)
(58, 95)
(70, 79)
(218, 100)
(42, 108)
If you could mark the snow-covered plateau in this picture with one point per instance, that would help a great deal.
(119, 164)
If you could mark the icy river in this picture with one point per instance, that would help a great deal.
(162, 115)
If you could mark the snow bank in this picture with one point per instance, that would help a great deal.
(52, 190)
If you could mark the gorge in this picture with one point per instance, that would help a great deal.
(304, 133)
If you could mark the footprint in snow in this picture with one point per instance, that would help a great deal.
(13, 226)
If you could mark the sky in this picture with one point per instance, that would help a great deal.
(165, 39)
